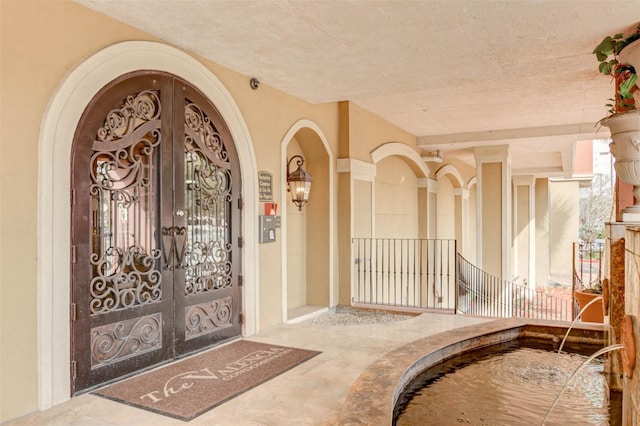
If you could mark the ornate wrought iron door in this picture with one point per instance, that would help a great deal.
(155, 229)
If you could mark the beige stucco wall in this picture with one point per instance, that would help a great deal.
(363, 208)
(445, 208)
(563, 228)
(367, 132)
(396, 200)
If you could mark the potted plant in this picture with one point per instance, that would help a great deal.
(595, 311)
(619, 57)
(612, 62)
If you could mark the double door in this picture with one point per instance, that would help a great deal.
(155, 229)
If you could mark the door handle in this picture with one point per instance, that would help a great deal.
(174, 255)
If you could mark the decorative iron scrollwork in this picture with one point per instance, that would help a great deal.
(173, 256)
(198, 127)
(207, 317)
(124, 278)
(124, 339)
(208, 197)
(123, 201)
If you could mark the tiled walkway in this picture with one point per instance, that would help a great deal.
(310, 394)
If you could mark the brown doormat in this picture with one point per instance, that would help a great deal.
(189, 388)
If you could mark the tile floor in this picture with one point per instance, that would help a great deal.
(310, 394)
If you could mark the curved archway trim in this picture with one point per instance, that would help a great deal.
(54, 149)
(297, 126)
(472, 182)
(399, 149)
(450, 170)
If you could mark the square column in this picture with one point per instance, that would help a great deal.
(524, 223)
(356, 218)
(494, 226)
(462, 220)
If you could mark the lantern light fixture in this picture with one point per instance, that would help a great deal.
(298, 182)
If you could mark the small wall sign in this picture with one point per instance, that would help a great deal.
(265, 186)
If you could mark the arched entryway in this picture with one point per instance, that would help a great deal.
(54, 193)
(155, 228)
(308, 232)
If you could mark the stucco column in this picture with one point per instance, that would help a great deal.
(493, 242)
(356, 215)
(462, 220)
(427, 215)
(432, 212)
(541, 257)
(524, 241)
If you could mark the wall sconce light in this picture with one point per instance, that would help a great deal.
(298, 182)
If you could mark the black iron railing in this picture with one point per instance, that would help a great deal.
(480, 293)
(414, 273)
(430, 275)
(587, 265)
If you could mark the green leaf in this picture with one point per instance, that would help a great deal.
(627, 85)
(604, 48)
(600, 56)
(605, 68)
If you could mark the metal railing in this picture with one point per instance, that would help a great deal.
(483, 294)
(587, 265)
(430, 275)
(413, 273)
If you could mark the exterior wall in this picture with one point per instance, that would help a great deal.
(563, 228)
(446, 210)
(367, 132)
(396, 200)
(363, 209)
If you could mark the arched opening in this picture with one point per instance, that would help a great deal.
(155, 228)
(452, 204)
(308, 232)
(54, 192)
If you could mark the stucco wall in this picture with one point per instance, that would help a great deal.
(445, 207)
(367, 132)
(396, 200)
(563, 228)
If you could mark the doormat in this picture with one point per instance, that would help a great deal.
(193, 386)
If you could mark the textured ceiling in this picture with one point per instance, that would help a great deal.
(457, 73)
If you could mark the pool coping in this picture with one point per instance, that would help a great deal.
(372, 397)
